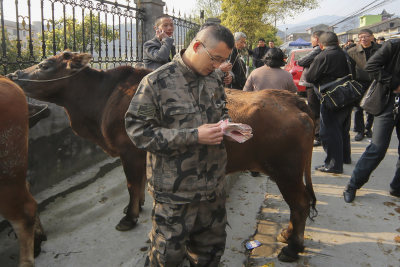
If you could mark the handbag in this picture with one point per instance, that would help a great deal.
(376, 98)
(341, 92)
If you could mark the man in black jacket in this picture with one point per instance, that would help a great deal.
(312, 99)
(361, 53)
(238, 65)
(258, 53)
(329, 65)
(384, 66)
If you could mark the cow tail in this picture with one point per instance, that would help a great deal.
(309, 187)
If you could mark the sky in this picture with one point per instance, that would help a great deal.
(342, 8)
(326, 7)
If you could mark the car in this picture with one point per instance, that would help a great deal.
(296, 71)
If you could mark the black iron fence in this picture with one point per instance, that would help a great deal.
(32, 30)
(111, 31)
(185, 29)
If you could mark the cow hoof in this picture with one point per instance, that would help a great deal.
(126, 224)
(286, 255)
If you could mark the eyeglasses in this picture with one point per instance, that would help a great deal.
(219, 61)
(364, 36)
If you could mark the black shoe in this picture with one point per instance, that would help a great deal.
(395, 193)
(349, 194)
(255, 174)
(359, 136)
(328, 170)
(317, 142)
(368, 133)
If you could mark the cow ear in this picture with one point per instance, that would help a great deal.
(84, 58)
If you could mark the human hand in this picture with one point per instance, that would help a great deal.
(397, 90)
(161, 34)
(227, 78)
(210, 134)
(225, 67)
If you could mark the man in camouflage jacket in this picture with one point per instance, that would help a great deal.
(175, 116)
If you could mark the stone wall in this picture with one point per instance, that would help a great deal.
(55, 152)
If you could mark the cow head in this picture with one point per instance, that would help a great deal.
(47, 78)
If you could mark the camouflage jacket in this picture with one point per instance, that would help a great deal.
(163, 116)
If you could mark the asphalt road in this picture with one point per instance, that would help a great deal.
(80, 224)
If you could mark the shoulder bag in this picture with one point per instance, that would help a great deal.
(341, 92)
(376, 98)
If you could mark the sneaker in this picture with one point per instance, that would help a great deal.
(359, 136)
(368, 133)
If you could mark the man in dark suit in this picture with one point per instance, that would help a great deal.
(259, 52)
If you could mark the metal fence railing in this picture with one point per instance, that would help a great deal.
(32, 30)
(184, 29)
(112, 31)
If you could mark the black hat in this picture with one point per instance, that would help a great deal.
(381, 38)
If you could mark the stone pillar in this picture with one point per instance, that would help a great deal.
(152, 9)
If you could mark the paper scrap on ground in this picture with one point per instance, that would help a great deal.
(253, 244)
(238, 131)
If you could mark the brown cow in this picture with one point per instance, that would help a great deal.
(96, 101)
(16, 203)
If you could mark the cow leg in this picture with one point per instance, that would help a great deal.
(39, 235)
(23, 224)
(295, 195)
(134, 169)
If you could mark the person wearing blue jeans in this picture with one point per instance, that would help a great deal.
(375, 152)
(384, 66)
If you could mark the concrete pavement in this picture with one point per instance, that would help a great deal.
(80, 222)
(365, 233)
(80, 218)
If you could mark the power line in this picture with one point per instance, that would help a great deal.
(363, 10)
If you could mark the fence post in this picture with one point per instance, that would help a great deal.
(152, 9)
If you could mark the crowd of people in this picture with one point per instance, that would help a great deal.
(189, 220)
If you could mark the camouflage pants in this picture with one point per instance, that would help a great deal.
(194, 230)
